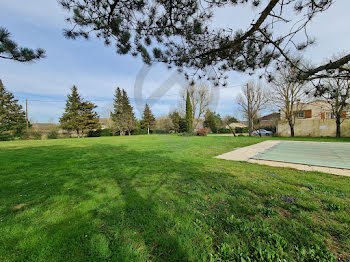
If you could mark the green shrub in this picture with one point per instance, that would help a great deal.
(241, 130)
(52, 135)
(187, 134)
(159, 132)
(107, 132)
(139, 131)
(25, 136)
(5, 137)
(94, 133)
(31, 135)
(65, 135)
(224, 131)
(36, 135)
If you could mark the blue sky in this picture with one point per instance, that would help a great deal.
(97, 70)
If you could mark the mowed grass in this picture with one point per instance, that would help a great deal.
(164, 198)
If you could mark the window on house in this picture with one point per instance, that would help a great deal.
(299, 114)
(330, 115)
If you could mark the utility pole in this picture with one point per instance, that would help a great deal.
(27, 114)
(250, 127)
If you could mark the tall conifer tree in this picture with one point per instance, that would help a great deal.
(175, 118)
(79, 114)
(189, 115)
(123, 115)
(89, 118)
(12, 116)
(70, 119)
(148, 118)
(129, 117)
(117, 114)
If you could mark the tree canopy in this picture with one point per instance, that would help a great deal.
(288, 96)
(337, 93)
(175, 119)
(79, 115)
(12, 116)
(189, 114)
(123, 114)
(212, 120)
(148, 118)
(182, 34)
(252, 100)
(9, 49)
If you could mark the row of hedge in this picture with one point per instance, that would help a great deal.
(110, 132)
(238, 130)
(35, 135)
(30, 135)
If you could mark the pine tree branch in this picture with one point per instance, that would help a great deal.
(338, 64)
(13, 52)
(255, 27)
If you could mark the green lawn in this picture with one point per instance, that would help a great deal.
(164, 198)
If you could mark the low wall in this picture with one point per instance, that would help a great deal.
(314, 127)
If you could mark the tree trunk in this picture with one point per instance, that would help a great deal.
(148, 130)
(337, 121)
(78, 133)
(250, 118)
(233, 130)
(292, 131)
(250, 126)
(129, 132)
(291, 125)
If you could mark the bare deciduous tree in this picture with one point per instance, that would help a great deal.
(252, 100)
(287, 95)
(200, 100)
(337, 93)
(106, 119)
(164, 123)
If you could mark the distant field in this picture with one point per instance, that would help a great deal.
(164, 198)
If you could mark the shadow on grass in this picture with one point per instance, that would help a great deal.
(99, 202)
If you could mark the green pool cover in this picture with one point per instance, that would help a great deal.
(327, 154)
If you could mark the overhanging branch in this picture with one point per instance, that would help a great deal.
(255, 27)
(329, 66)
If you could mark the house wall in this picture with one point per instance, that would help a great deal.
(313, 109)
(317, 107)
(314, 127)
